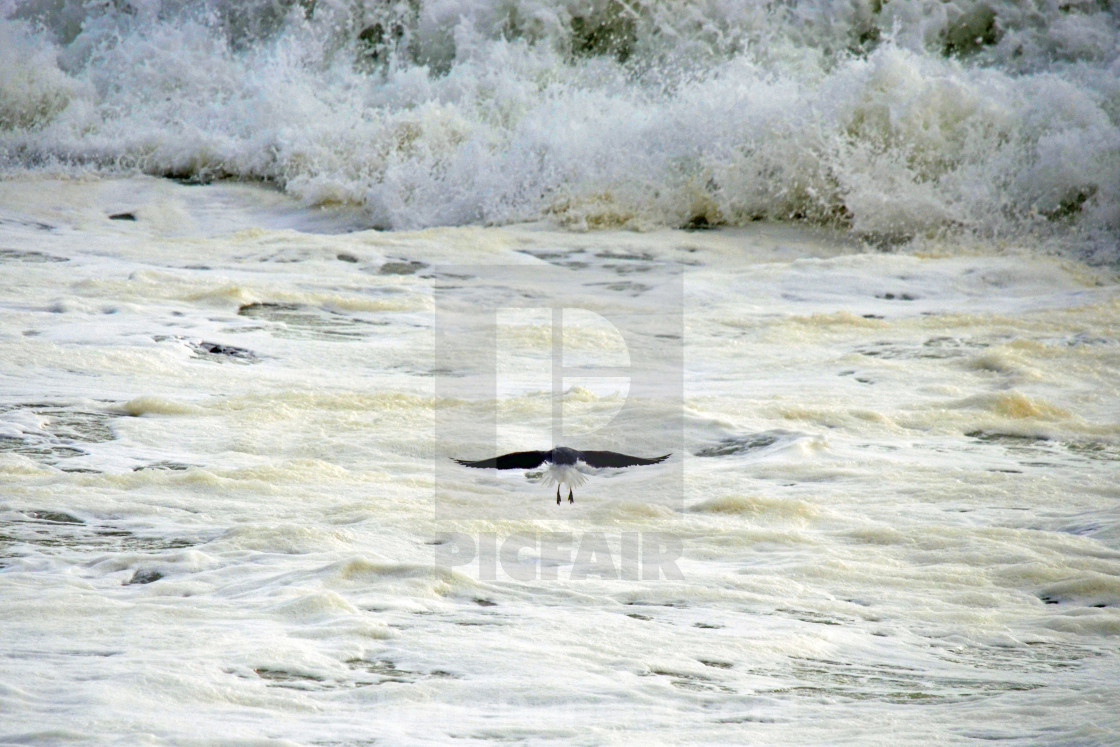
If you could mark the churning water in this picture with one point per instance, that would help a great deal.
(864, 255)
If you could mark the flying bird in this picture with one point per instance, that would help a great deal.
(563, 464)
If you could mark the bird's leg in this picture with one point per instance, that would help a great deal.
(570, 498)
(557, 494)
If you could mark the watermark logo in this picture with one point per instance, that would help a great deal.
(552, 556)
(580, 354)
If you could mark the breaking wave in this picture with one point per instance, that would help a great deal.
(893, 120)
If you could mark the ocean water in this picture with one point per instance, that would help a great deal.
(265, 269)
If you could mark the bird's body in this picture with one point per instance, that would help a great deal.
(565, 465)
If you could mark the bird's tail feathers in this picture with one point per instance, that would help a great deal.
(566, 474)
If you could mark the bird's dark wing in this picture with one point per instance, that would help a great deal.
(516, 460)
(613, 459)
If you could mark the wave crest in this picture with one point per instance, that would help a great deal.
(896, 122)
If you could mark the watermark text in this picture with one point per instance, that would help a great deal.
(551, 556)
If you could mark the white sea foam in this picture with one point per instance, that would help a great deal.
(894, 120)
(890, 516)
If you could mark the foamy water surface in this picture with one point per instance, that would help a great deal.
(853, 264)
(898, 518)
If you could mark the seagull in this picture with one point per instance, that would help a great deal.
(563, 464)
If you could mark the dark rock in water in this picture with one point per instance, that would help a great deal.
(228, 351)
(443, 674)
(144, 576)
(214, 351)
(1007, 439)
(716, 664)
(970, 32)
(401, 268)
(262, 308)
(739, 445)
(698, 223)
(123, 216)
(347, 257)
(55, 517)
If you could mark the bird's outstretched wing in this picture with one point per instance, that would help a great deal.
(516, 460)
(613, 459)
